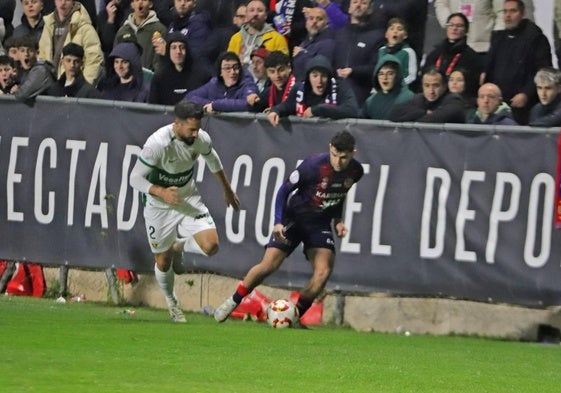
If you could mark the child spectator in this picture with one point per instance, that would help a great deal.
(8, 75)
(547, 112)
(319, 95)
(390, 90)
(233, 90)
(396, 45)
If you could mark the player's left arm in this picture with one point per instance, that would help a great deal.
(215, 165)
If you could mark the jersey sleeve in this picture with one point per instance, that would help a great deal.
(209, 154)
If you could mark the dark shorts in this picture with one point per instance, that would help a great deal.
(313, 234)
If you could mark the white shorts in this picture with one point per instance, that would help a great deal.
(164, 225)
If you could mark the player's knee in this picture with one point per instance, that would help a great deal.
(210, 249)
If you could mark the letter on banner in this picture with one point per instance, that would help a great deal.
(426, 251)
(263, 238)
(497, 215)
(13, 177)
(243, 161)
(351, 206)
(122, 224)
(44, 218)
(98, 179)
(465, 214)
(75, 147)
(548, 183)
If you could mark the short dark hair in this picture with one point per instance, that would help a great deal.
(520, 4)
(28, 41)
(343, 141)
(73, 49)
(276, 58)
(186, 109)
(433, 70)
(398, 21)
(7, 60)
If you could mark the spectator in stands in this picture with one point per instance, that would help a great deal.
(89, 5)
(109, 20)
(233, 90)
(70, 22)
(220, 35)
(453, 53)
(37, 75)
(8, 75)
(289, 20)
(282, 80)
(124, 80)
(515, 56)
(389, 89)
(72, 83)
(396, 45)
(144, 25)
(256, 33)
(258, 69)
(180, 73)
(547, 112)
(336, 17)
(7, 8)
(27, 53)
(31, 20)
(194, 25)
(434, 105)
(457, 84)
(484, 17)
(357, 49)
(319, 95)
(491, 109)
(413, 12)
(319, 41)
(11, 47)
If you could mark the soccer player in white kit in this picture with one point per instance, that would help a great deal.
(176, 218)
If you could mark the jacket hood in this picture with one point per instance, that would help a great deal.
(131, 52)
(178, 37)
(319, 61)
(152, 18)
(383, 60)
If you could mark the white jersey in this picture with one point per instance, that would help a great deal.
(171, 162)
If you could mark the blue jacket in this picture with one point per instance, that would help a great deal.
(225, 99)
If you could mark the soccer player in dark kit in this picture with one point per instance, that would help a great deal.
(321, 183)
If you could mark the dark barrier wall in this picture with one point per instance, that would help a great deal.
(464, 213)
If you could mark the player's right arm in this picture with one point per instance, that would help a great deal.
(138, 180)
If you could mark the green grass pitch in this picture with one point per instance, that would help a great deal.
(93, 347)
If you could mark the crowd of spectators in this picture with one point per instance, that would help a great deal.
(311, 58)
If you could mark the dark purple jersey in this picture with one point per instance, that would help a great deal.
(321, 190)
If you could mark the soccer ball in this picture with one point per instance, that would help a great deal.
(282, 313)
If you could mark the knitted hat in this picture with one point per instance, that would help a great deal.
(73, 49)
(260, 52)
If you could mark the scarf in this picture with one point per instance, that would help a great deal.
(330, 99)
(557, 212)
(273, 91)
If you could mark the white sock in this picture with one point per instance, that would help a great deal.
(193, 247)
(165, 281)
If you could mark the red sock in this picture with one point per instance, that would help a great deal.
(241, 292)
